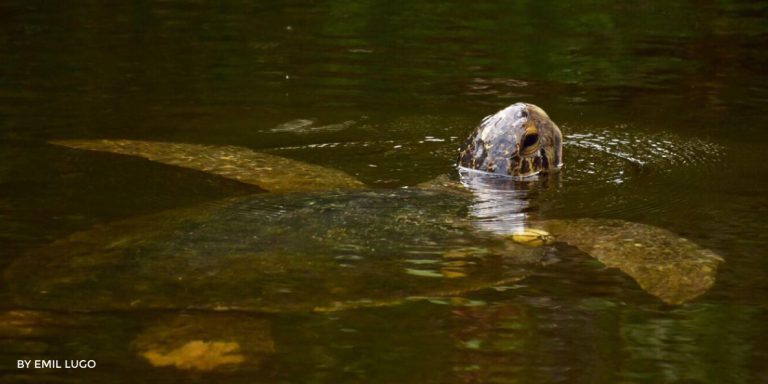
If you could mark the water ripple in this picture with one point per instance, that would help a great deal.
(615, 156)
(619, 173)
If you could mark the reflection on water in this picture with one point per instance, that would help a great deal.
(662, 106)
(500, 204)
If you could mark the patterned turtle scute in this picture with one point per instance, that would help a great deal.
(519, 140)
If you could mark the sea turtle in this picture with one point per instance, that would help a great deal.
(322, 231)
(518, 141)
(322, 241)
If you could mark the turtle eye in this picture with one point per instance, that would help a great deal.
(530, 143)
(530, 140)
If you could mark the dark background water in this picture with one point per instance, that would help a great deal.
(385, 91)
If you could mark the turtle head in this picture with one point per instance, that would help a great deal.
(518, 141)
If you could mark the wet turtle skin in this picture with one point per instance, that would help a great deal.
(520, 140)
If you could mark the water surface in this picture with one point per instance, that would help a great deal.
(662, 106)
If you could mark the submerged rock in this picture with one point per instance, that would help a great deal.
(206, 342)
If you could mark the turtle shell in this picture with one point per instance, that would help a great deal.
(274, 253)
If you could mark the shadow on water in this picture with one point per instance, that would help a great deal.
(662, 107)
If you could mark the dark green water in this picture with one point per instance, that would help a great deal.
(663, 107)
